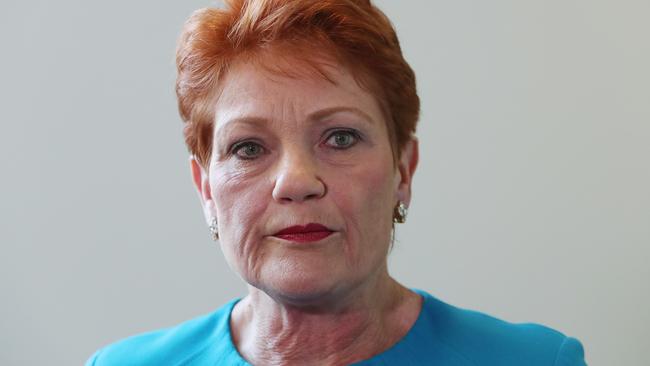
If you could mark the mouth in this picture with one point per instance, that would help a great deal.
(304, 234)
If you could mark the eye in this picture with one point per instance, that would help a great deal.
(342, 139)
(247, 150)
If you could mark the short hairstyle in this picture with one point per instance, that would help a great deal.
(353, 32)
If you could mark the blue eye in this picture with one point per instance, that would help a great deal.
(342, 139)
(247, 150)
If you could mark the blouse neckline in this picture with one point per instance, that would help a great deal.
(395, 348)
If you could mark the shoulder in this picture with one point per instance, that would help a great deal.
(483, 339)
(170, 346)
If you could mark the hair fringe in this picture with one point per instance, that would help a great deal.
(353, 32)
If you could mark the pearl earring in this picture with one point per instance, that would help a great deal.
(399, 213)
(214, 229)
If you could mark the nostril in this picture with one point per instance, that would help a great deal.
(306, 197)
(313, 195)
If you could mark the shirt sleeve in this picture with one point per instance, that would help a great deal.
(570, 353)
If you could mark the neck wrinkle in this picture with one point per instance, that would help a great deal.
(270, 333)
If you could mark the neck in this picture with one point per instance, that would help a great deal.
(344, 330)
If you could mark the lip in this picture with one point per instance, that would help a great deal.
(304, 234)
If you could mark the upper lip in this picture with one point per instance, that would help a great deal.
(309, 228)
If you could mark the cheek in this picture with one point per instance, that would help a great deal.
(365, 197)
(378, 200)
(238, 194)
(240, 201)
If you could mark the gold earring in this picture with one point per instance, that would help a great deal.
(399, 213)
(214, 229)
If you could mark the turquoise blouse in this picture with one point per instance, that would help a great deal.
(442, 335)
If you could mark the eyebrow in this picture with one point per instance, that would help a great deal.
(222, 127)
(315, 116)
(324, 113)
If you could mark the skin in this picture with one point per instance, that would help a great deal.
(296, 150)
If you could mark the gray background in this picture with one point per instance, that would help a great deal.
(531, 201)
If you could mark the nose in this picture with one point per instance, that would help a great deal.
(297, 179)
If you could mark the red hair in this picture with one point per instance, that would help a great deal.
(353, 32)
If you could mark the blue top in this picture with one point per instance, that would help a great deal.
(442, 335)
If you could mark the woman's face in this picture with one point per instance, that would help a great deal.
(291, 152)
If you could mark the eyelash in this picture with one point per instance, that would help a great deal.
(348, 132)
(243, 144)
(240, 145)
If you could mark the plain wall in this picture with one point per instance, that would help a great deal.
(531, 201)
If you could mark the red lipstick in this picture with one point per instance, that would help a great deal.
(304, 234)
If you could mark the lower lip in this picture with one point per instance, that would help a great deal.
(305, 237)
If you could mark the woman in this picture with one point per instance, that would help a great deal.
(300, 117)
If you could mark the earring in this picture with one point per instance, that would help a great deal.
(213, 229)
(399, 213)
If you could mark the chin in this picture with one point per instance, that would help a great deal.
(301, 287)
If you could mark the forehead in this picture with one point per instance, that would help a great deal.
(254, 89)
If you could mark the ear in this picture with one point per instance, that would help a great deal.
(406, 167)
(202, 184)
